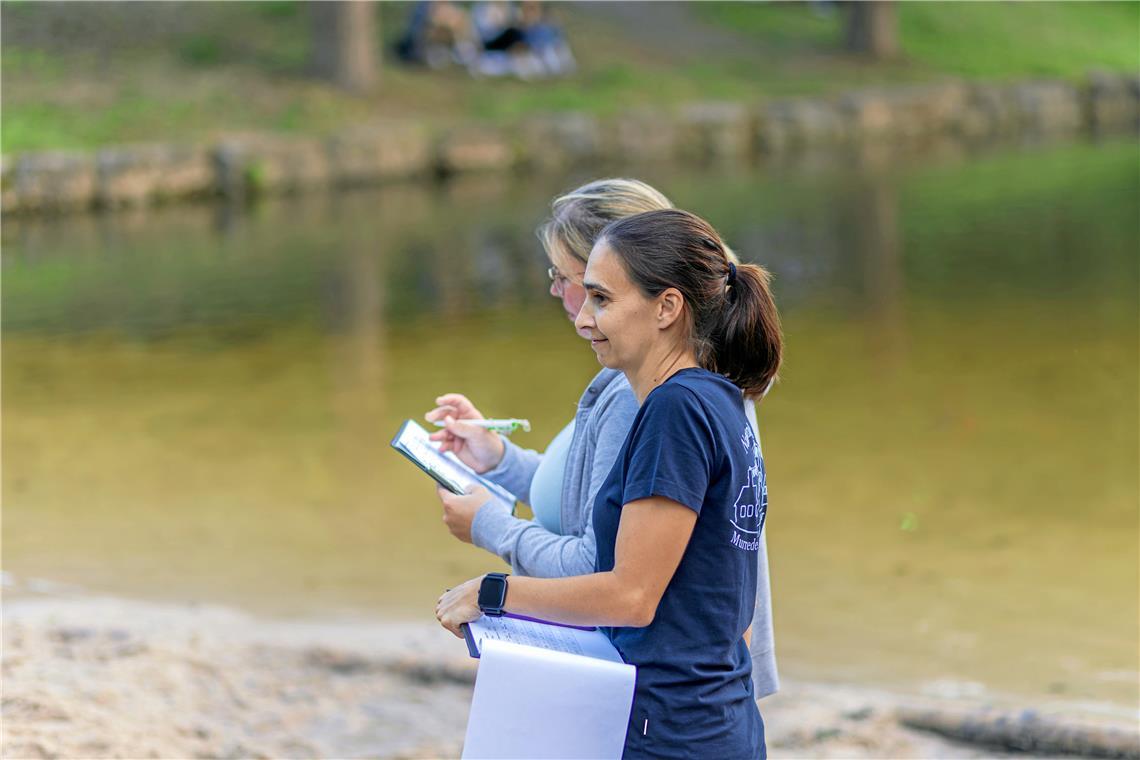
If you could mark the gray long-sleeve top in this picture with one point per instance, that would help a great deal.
(605, 414)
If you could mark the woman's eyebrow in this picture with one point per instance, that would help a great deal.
(595, 287)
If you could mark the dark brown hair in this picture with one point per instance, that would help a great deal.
(733, 324)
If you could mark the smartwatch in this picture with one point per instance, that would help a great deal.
(493, 594)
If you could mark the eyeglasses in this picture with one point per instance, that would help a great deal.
(558, 279)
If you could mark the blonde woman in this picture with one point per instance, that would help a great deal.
(561, 483)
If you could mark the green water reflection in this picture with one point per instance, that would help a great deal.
(197, 405)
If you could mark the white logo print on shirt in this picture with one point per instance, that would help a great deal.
(752, 501)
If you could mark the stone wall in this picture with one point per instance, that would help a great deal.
(239, 167)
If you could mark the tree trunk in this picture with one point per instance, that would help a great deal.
(873, 28)
(344, 38)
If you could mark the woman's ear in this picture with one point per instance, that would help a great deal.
(670, 306)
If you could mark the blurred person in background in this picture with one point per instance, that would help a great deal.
(546, 39)
(521, 39)
(678, 518)
(560, 484)
(439, 33)
(494, 38)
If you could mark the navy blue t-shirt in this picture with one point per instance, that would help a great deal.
(690, 442)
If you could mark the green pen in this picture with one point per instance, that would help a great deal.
(506, 427)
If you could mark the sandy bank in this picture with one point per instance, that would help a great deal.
(99, 677)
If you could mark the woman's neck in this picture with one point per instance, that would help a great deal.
(656, 370)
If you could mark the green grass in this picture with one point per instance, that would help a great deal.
(972, 39)
(1004, 39)
(787, 27)
(242, 66)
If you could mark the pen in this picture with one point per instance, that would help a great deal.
(506, 427)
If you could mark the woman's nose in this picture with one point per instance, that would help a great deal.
(585, 318)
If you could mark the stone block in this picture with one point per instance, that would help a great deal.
(989, 112)
(380, 152)
(287, 165)
(474, 149)
(133, 175)
(270, 164)
(561, 140)
(230, 158)
(1112, 101)
(869, 114)
(9, 200)
(1048, 108)
(800, 123)
(715, 131)
(646, 134)
(53, 180)
(929, 110)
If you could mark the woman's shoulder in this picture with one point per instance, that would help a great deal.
(695, 386)
(695, 394)
(703, 380)
(675, 398)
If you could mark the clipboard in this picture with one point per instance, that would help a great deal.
(444, 468)
(519, 687)
(520, 630)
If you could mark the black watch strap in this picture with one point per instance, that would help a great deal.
(493, 594)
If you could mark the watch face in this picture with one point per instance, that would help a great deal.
(492, 592)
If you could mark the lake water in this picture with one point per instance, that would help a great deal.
(198, 403)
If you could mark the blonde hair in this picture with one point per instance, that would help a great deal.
(578, 217)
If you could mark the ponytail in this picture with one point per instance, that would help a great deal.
(747, 342)
(734, 327)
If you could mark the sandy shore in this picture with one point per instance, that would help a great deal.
(88, 677)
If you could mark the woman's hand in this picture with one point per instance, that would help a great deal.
(459, 605)
(459, 511)
(476, 447)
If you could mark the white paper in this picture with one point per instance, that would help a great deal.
(557, 638)
(537, 703)
(414, 439)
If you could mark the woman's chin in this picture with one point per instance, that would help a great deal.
(601, 350)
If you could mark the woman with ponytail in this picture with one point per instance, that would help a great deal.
(677, 521)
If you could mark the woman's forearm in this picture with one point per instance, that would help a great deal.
(595, 599)
(651, 538)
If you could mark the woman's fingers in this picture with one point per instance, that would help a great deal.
(462, 405)
(440, 435)
(442, 615)
(458, 606)
(441, 411)
(452, 409)
(453, 435)
(455, 432)
(454, 399)
(462, 429)
(445, 614)
(452, 626)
